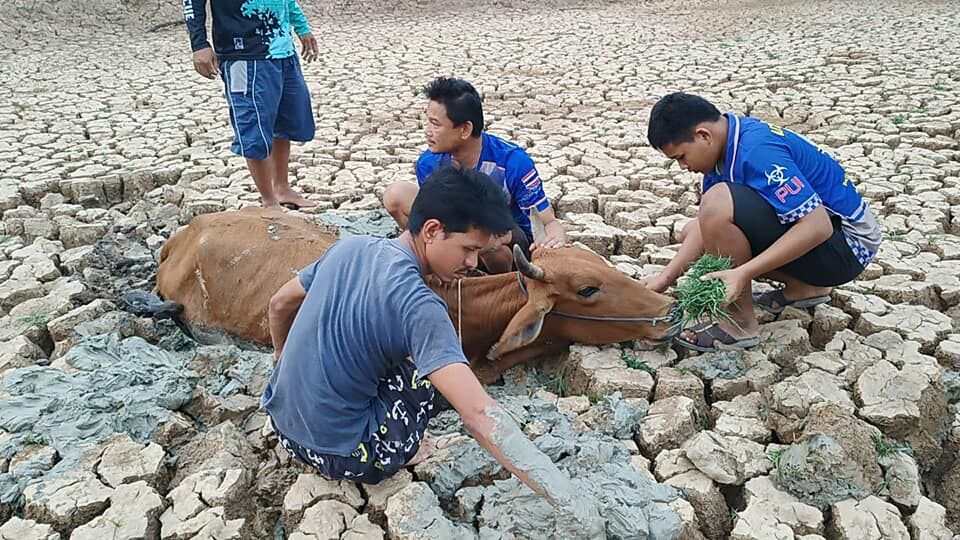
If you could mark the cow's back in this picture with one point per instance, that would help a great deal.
(224, 267)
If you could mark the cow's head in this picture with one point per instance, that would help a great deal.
(580, 283)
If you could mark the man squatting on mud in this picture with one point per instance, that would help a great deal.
(363, 343)
(778, 206)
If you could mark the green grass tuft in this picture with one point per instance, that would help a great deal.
(37, 319)
(887, 447)
(631, 361)
(774, 457)
(561, 389)
(703, 300)
(33, 439)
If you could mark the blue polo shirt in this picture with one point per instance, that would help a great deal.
(795, 177)
(507, 164)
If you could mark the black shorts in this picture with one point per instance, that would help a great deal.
(830, 264)
(409, 407)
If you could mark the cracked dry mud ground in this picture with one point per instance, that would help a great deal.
(844, 424)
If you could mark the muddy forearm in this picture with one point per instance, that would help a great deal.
(500, 435)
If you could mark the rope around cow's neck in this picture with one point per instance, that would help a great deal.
(460, 313)
(672, 317)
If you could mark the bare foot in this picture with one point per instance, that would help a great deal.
(427, 448)
(292, 198)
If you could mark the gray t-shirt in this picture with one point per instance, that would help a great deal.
(367, 308)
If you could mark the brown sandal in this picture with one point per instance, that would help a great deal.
(712, 338)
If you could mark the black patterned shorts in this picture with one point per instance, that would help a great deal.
(409, 407)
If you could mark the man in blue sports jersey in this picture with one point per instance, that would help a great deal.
(774, 203)
(455, 136)
(364, 344)
(268, 99)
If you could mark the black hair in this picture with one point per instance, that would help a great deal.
(460, 199)
(674, 117)
(461, 99)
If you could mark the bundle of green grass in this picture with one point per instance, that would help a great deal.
(700, 300)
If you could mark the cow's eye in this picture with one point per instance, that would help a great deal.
(587, 292)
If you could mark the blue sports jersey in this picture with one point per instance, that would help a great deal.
(795, 177)
(507, 164)
(246, 29)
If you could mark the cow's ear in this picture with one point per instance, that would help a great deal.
(523, 328)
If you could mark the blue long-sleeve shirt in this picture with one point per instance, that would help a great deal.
(246, 29)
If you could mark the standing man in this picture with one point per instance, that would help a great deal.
(774, 203)
(268, 99)
(363, 344)
(455, 136)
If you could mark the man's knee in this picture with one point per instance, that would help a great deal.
(688, 229)
(716, 207)
(399, 196)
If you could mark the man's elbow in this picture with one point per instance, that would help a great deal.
(824, 231)
(818, 225)
(280, 306)
(472, 422)
(476, 419)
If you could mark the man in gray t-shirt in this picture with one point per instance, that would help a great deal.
(366, 310)
(363, 343)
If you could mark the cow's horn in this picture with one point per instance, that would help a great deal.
(526, 267)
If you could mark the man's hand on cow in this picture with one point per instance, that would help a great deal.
(205, 62)
(310, 51)
(555, 236)
(658, 283)
(734, 280)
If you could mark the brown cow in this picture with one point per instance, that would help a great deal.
(224, 267)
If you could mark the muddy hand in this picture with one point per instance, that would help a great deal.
(580, 518)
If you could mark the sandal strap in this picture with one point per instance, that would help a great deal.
(719, 334)
(707, 333)
(767, 299)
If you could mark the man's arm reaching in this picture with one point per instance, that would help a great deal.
(499, 434)
(691, 247)
(284, 305)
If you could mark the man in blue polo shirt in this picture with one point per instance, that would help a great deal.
(268, 98)
(455, 137)
(773, 202)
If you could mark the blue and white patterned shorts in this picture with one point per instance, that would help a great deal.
(409, 407)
